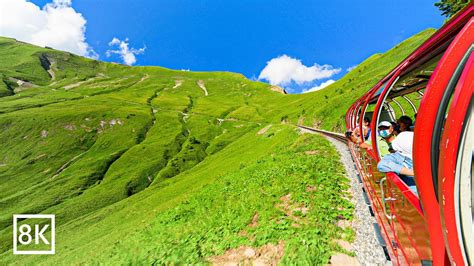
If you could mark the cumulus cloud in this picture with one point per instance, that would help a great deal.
(283, 70)
(55, 25)
(349, 69)
(127, 54)
(320, 87)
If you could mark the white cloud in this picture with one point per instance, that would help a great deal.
(349, 69)
(56, 25)
(283, 70)
(320, 87)
(127, 54)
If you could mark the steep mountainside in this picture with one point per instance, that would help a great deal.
(147, 163)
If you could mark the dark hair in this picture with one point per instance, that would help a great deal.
(348, 134)
(405, 120)
(366, 119)
(396, 130)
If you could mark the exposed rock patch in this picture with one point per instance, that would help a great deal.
(22, 84)
(70, 127)
(345, 245)
(278, 89)
(47, 64)
(343, 260)
(254, 222)
(177, 83)
(264, 130)
(290, 209)
(269, 254)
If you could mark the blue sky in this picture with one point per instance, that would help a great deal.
(243, 35)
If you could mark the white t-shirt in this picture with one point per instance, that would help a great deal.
(403, 144)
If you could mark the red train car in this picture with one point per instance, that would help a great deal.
(428, 219)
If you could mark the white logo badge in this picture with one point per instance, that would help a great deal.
(35, 236)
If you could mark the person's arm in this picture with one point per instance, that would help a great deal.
(366, 146)
(407, 172)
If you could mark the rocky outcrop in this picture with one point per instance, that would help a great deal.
(278, 89)
(47, 63)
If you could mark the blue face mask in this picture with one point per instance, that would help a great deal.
(384, 133)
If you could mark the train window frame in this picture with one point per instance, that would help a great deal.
(465, 172)
(379, 112)
(441, 119)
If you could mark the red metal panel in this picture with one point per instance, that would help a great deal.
(423, 139)
(449, 152)
(411, 230)
(366, 165)
(408, 221)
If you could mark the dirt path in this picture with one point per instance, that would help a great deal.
(201, 85)
(64, 166)
(367, 248)
(264, 130)
(177, 83)
(77, 84)
(144, 77)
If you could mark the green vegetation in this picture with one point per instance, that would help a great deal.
(450, 7)
(140, 165)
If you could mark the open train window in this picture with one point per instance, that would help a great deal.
(402, 99)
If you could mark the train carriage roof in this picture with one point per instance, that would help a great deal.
(417, 68)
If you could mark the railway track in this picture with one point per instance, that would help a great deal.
(338, 136)
(369, 244)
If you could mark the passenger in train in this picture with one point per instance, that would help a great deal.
(352, 137)
(366, 128)
(401, 161)
(396, 128)
(405, 123)
(385, 137)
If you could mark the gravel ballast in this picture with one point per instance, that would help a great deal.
(367, 248)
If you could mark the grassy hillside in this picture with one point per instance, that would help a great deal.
(146, 164)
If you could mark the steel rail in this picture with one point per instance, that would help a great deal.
(337, 136)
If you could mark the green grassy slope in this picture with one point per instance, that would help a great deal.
(139, 164)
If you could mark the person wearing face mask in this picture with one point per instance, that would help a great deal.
(384, 138)
(386, 130)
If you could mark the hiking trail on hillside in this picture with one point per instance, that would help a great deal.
(201, 85)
